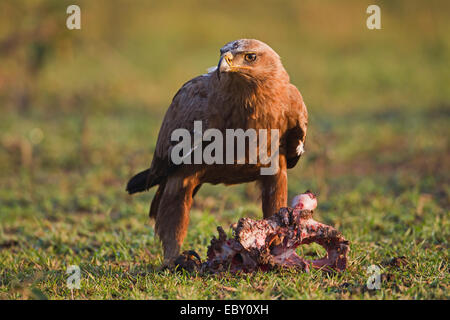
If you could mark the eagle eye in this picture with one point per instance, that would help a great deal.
(250, 57)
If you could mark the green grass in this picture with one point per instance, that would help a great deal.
(71, 208)
(377, 150)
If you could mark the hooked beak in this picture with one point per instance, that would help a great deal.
(225, 63)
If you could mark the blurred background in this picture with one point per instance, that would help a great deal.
(80, 109)
(95, 97)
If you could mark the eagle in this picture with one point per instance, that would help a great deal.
(249, 89)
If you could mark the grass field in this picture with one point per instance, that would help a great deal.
(377, 151)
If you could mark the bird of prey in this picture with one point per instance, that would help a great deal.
(249, 89)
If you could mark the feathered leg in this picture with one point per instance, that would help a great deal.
(173, 214)
(274, 190)
(156, 200)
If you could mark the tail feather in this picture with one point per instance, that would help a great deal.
(140, 182)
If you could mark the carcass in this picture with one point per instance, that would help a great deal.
(271, 243)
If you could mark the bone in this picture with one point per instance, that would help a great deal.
(270, 244)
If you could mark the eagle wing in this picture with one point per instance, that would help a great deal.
(188, 105)
(298, 123)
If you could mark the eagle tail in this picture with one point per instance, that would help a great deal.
(141, 182)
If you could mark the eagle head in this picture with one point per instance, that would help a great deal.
(250, 59)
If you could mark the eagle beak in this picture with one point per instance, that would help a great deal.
(225, 63)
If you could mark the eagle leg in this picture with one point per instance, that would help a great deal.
(274, 190)
(172, 218)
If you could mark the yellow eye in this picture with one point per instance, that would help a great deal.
(250, 57)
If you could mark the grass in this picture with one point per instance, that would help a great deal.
(390, 206)
(377, 150)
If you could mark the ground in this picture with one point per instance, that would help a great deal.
(388, 204)
(377, 154)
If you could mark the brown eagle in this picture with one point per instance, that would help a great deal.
(249, 89)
